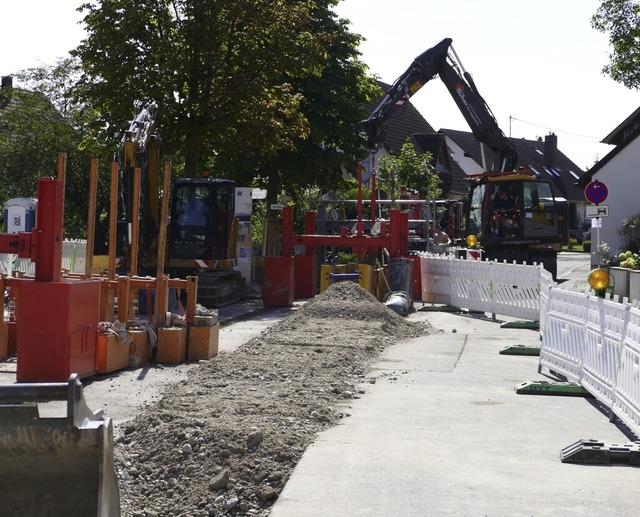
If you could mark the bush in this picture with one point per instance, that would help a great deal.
(630, 233)
(586, 246)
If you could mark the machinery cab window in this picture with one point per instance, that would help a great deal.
(202, 214)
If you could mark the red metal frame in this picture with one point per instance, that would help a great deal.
(396, 239)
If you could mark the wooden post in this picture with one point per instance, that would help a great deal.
(135, 223)
(91, 223)
(113, 221)
(124, 298)
(162, 298)
(192, 293)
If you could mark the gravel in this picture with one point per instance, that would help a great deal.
(225, 440)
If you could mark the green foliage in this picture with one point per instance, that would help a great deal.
(630, 233)
(621, 20)
(629, 260)
(586, 246)
(411, 170)
(258, 215)
(39, 124)
(226, 75)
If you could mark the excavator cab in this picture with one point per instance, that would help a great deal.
(202, 213)
(515, 208)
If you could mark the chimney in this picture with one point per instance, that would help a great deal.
(550, 149)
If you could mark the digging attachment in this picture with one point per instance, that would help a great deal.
(55, 466)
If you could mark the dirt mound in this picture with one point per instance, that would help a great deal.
(225, 441)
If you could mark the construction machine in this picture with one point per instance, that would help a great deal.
(535, 228)
(202, 229)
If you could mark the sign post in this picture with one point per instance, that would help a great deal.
(596, 192)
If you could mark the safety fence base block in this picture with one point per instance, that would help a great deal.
(594, 452)
(520, 350)
(572, 389)
(532, 325)
(439, 308)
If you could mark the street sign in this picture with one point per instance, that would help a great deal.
(277, 206)
(596, 192)
(591, 211)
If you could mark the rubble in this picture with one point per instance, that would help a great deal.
(225, 441)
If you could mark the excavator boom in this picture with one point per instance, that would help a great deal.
(441, 60)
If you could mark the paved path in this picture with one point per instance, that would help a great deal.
(442, 432)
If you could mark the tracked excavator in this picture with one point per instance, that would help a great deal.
(532, 227)
(202, 232)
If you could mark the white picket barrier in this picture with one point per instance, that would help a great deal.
(497, 288)
(591, 340)
(596, 341)
(74, 256)
(435, 279)
(563, 336)
(605, 330)
(626, 401)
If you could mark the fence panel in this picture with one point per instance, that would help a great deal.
(498, 288)
(626, 401)
(605, 330)
(563, 335)
(516, 290)
(435, 273)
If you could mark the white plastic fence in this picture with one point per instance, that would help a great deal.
(591, 340)
(596, 342)
(498, 288)
(74, 256)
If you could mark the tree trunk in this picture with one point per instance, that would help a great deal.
(190, 161)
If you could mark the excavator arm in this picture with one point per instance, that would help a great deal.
(441, 60)
(140, 148)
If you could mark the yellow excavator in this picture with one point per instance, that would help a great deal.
(202, 232)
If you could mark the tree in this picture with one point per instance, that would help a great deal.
(41, 124)
(411, 170)
(333, 95)
(621, 19)
(219, 71)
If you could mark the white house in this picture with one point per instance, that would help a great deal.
(619, 171)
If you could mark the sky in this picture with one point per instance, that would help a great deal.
(537, 63)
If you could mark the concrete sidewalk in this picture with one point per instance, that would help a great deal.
(443, 432)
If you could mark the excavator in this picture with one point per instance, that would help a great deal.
(202, 230)
(534, 227)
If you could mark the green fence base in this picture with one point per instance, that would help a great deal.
(520, 350)
(532, 325)
(573, 389)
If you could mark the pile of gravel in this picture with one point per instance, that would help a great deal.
(225, 441)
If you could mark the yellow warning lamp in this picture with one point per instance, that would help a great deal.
(599, 279)
(472, 241)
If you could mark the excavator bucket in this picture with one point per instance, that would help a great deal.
(55, 466)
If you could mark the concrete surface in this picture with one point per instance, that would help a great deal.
(122, 394)
(442, 432)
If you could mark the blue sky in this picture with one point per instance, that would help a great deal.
(537, 61)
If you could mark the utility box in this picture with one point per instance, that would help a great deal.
(57, 330)
(20, 214)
